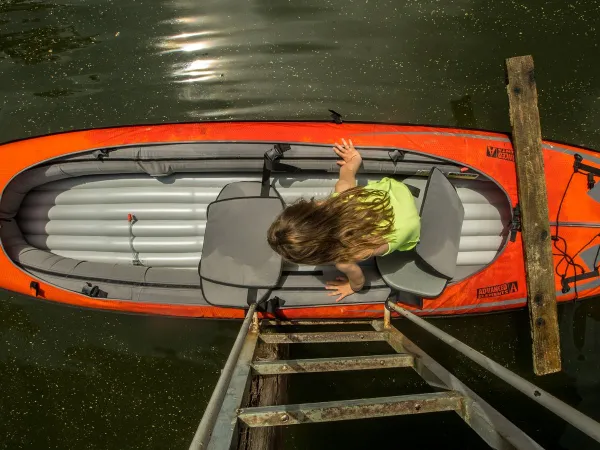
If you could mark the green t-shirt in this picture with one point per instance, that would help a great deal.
(407, 223)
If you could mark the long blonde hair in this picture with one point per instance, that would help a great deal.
(344, 228)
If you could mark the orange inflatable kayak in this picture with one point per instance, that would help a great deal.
(172, 219)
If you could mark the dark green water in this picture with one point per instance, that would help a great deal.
(76, 379)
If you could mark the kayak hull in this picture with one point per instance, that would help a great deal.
(500, 286)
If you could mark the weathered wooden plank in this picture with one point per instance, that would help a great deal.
(265, 391)
(369, 362)
(302, 322)
(364, 408)
(322, 338)
(533, 200)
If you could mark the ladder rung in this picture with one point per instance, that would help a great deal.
(303, 322)
(317, 338)
(332, 364)
(267, 416)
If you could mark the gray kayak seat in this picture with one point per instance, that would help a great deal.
(238, 266)
(426, 270)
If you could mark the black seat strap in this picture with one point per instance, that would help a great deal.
(515, 223)
(252, 296)
(407, 298)
(266, 303)
(269, 163)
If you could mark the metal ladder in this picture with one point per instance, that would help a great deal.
(226, 414)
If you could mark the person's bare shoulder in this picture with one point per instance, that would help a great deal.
(381, 250)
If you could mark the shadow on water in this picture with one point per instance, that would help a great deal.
(16, 320)
(56, 93)
(503, 337)
(462, 112)
(98, 380)
(90, 379)
(580, 341)
(506, 339)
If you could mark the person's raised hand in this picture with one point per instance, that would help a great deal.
(347, 152)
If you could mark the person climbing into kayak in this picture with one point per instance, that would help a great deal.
(354, 224)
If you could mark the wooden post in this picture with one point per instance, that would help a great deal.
(265, 390)
(533, 201)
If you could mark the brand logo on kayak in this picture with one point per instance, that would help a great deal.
(497, 290)
(507, 154)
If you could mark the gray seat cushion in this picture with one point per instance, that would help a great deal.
(442, 215)
(236, 251)
(426, 270)
(406, 272)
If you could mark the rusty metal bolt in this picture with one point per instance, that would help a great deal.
(417, 407)
(362, 336)
(284, 418)
(382, 362)
(284, 368)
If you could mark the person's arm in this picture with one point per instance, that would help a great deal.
(344, 287)
(349, 165)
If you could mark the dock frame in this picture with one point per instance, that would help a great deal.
(534, 220)
(229, 422)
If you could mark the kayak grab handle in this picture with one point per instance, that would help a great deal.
(336, 117)
(592, 171)
(582, 276)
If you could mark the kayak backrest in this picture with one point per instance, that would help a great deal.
(442, 215)
(237, 262)
(426, 270)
